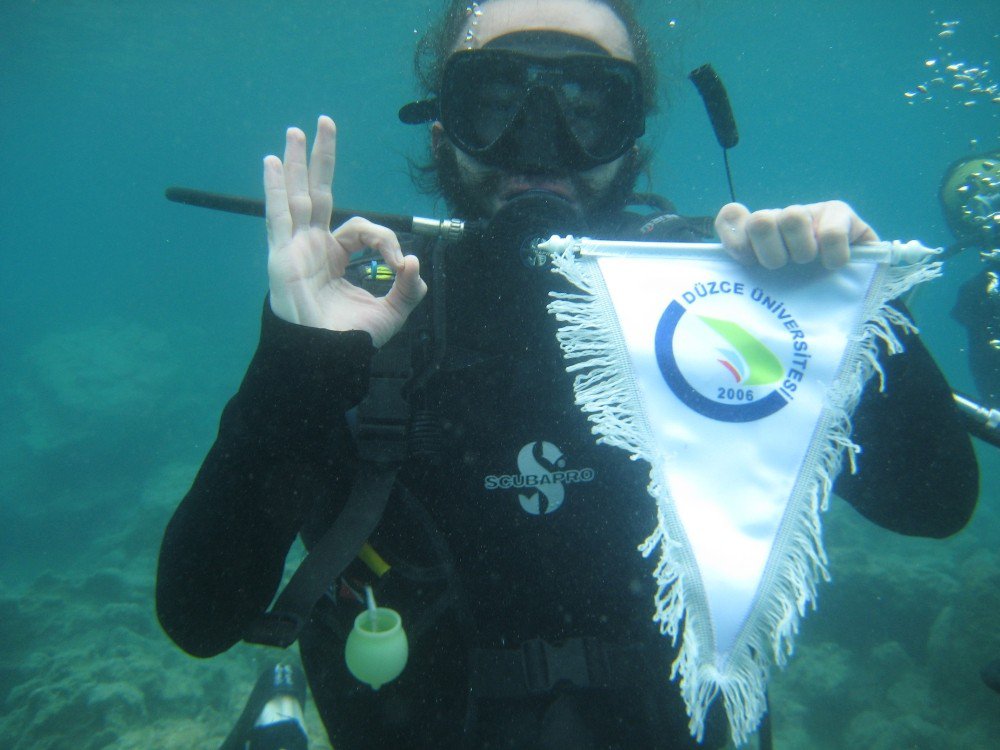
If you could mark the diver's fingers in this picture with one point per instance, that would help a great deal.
(279, 221)
(297, 178)
(730, 225)
(357, 233)
(765, 238)
(322, 161)
(837, 228)
(795, 224)
(408, 288)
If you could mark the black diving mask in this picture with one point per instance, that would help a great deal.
(533, 112)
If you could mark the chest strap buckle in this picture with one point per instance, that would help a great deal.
(539, 667)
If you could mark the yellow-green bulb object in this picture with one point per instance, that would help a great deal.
(377, 648)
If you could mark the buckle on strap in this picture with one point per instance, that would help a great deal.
(578, 662)
(383, 415)
(538, 667)
(382, 421)
(279, 629)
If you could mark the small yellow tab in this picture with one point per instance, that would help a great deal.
(373, 560)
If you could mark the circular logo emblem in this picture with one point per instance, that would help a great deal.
(718, 368)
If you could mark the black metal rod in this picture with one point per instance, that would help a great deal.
(981, 421)
(237, 204)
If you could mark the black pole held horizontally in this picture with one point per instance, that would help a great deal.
(238, 204)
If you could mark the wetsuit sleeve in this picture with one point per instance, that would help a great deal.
(281, 438)
(917, 472)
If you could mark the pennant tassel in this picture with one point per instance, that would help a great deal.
(604, 389)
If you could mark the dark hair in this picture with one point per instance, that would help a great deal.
(438, 42)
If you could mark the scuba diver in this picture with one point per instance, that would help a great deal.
(429, 450)
(970, 199)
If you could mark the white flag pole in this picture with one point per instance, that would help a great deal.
(894, 252)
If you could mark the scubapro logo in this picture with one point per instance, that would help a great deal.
(716, 366)
(543, 474)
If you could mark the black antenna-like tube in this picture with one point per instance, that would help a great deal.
(237, 204)
(720, 113)
(446, 229)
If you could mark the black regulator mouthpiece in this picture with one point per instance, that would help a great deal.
(529, 218)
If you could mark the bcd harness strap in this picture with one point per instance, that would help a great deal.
(538, 667)
(381, 440)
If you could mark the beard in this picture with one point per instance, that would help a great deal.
(472, 194)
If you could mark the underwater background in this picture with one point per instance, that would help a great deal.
(127, 321)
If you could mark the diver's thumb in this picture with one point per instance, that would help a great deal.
(408, 288)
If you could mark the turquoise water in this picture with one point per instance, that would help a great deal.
(128, 321)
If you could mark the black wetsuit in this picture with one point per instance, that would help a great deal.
(482, 564)
(977, 308)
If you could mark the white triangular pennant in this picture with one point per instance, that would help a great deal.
(736, 384)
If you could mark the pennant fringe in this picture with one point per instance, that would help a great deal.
(606, 391)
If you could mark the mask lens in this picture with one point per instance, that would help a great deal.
(494, 105)
(599, 99)
(481, 95)
(601, 105)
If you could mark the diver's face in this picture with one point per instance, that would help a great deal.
(479, 190)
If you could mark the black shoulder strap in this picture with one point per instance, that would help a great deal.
(383, 417)
(328, 558)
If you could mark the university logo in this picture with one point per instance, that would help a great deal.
(542, 479)
(731, 353)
